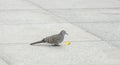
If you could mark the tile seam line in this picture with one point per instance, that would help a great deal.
(81, 8)
(95, 35)
(63, 23)
(46, 10)
(59, 16)
(32, 24)
(8, 63)
(18, 9)
(55, 9)
(95, 22)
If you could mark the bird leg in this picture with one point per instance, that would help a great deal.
(56, 44)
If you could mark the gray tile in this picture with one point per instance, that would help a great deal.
(115, 43)
(84, 53)
(103, 23)
(22, 34)
(25, 17)
(2, 62)
(63, 4)
(106, 31)
(16, 4)
(88, 15)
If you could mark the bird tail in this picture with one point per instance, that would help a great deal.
(42, 41)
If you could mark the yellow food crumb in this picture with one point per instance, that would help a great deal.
(67, 43)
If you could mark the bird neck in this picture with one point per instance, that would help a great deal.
(62, 34)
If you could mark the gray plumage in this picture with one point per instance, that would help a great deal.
(54, 39)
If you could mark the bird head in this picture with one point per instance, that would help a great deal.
(63, 32)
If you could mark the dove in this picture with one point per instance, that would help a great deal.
(53, 39)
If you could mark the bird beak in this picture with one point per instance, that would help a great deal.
(66, 33)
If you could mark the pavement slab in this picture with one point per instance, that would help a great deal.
(16, 4)
(69, 4)
(85, 53)
(26, 21)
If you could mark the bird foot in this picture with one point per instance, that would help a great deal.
(55, 45)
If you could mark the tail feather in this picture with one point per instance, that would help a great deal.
(42, 41)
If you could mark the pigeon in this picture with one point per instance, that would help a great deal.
(54, 39)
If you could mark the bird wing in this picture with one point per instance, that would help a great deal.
(53, 39)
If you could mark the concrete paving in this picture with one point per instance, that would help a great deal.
(84, 53)
(98, 17)
(104, 23)
(73, 4)
(26, 21)
(16, 4)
